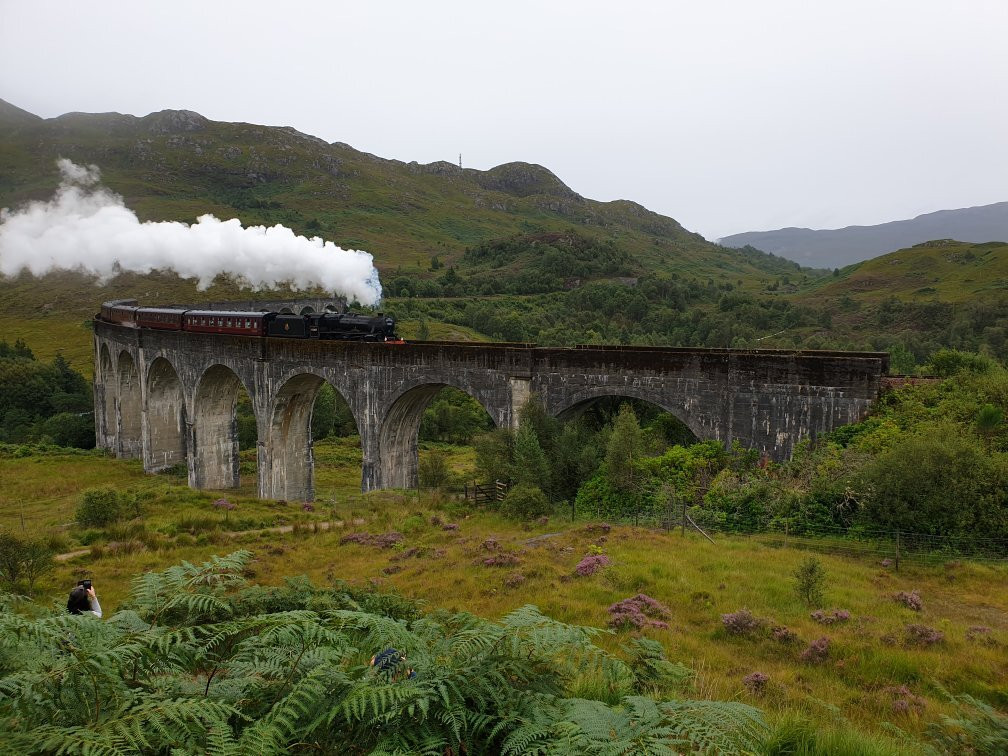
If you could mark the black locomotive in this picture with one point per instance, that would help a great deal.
(346, 326)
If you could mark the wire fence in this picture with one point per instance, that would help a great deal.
(899, 547)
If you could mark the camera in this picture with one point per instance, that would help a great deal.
(85, 584)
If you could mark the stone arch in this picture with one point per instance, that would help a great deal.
(130, 415)
(579, 401)
(214, 437)
(306, 310)
(166, 417)
(397, 437)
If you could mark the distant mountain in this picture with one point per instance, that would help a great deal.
(836, 248)
(178, 165)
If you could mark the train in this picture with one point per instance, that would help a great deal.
(342, 326)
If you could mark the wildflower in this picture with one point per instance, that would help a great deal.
(922, 635)
(639, 611)
(834, 616)
(911, 600)
(817, 651)
(591, 564)
(740, 622)
(755, 682)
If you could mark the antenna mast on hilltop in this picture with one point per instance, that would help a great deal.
(460, 161)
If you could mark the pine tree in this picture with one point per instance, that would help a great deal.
(530, 465)
(624, 449)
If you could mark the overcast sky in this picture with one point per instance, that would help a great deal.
(727, 116)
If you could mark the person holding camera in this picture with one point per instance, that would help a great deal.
(83, 600)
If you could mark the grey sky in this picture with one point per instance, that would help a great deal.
(728, 116)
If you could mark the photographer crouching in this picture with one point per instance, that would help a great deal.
(83, 600)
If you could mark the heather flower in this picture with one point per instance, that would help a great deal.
(783, 635)
(904, 699)
(911, 600)
(501, 560)
(591, 564)
(922, 635)
(490, 544)
(225, 504)
(831, 617)
(755, 682)
(887, 563)
(514, 580)
(379, 540)
(980, 634)
(450, 526)
(639, 611)
(308, 507)
(817, 651)
(740, 622)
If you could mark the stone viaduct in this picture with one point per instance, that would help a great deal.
(169, 397)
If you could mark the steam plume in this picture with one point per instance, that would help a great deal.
(86, 227)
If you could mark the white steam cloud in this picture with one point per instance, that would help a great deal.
(86, 227)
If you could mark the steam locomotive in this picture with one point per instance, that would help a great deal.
(286, 324)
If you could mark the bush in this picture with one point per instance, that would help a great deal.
(525, 503)
(23, 559)
(99, 507)
(741, 622)
(433, 469)
(809, 579)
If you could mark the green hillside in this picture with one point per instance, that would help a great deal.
(943, 269)
(177, 165)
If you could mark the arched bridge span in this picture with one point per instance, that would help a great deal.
(169, 396)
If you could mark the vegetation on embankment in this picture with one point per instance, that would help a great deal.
(896, 640)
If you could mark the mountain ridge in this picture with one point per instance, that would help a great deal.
(839, 247)
(177, 165)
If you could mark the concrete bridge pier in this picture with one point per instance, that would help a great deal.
(213, 432)
(285, 454)
(165, 428)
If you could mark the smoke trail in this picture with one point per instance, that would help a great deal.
(86, 227)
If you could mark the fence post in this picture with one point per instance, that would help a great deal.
(897, 550)
(683, 532)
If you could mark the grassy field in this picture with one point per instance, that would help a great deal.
(872, 680)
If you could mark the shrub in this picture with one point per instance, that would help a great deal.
(784, 635)
(525, 503)
(99, 507)
(831, 617)
(504, 559)
(922, 635)
(639, 611)
(809, 579)
(378, 540)
(741, 622)
(980, 634)
(755, 682)
(903, 700)
(23, 559)
(591, 564)
(817, 651)
(911, 600)
(433, 469)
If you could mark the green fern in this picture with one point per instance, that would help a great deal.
(197, 662)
